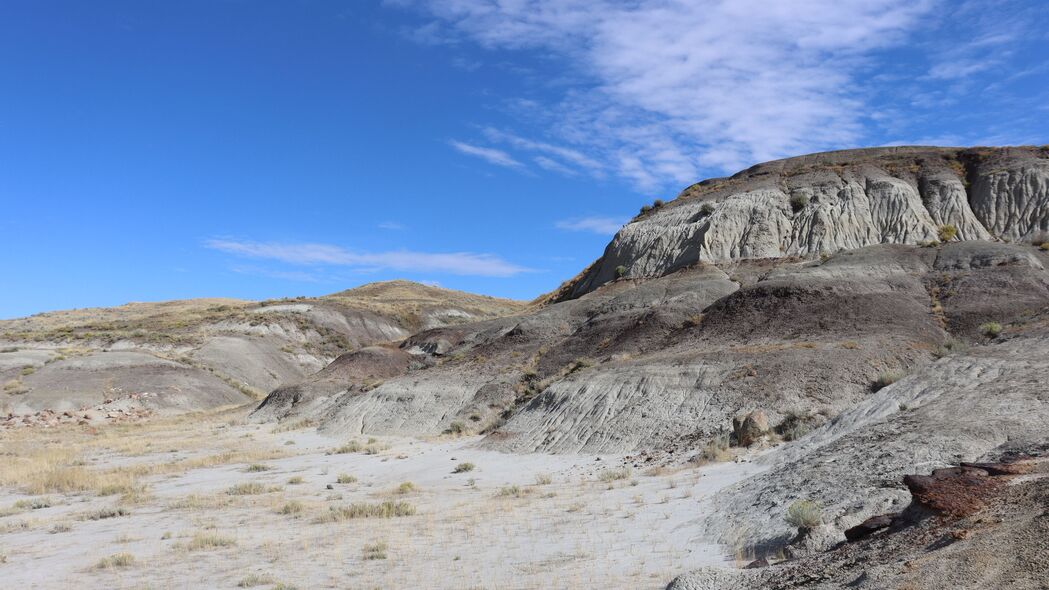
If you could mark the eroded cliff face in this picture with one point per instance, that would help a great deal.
(825, 203)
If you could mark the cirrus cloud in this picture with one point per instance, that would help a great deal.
(311, 254)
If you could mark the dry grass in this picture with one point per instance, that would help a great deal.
(464, 467)
(345, 478)
(387, 509)
(200, 502)
(374, 551)
(247, 489)
(291, 508)
(611, 475)
(252, 580)
(119, 560)
(208, 541)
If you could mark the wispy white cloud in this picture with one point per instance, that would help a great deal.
(457, 263)
(676, 86)
(284, 275)
(391, 225)
(490, 155)
(597, 225)
(564, 154)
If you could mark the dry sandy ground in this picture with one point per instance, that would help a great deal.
(513, 521)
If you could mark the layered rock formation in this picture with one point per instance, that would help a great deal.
(825, 203)
(208, 352)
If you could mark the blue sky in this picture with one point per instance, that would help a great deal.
(255, 149)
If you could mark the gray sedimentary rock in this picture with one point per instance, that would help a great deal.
(826, 203)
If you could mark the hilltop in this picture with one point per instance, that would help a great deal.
(199, 353)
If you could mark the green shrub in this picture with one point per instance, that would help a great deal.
(706, 210)
(804, 514)
(345, 478)
(620, 271)
(991, 329)
(457, 428)
(947, 232)
(463, 467)
(798, 201)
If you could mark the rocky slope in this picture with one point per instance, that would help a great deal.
(850, 317)
(825, 203)
(207, 352)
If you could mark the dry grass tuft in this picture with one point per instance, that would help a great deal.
(252, 580)
(610, 475)
(387, 509)
(208, 541)
(374, 551)
(119, 560)
(247, 489)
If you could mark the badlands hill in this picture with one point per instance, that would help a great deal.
(201, 353)
(841, 319)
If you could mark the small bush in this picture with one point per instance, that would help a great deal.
(206, 541)
(292, 507)
(947, 232)
(294, 481)
(405, 488)
(991, 329)
(804, 514)
(257, 467)
(105, 513)
(716, 450)
(386, 509)
(706, 210)
(350, 447)
(645, 209)
(543, 479)
(798, 202)
(463, 467)
(512, 492)
(610, 475)
(457, 428)
(794, 426)
(115, 561)
(1044, 247)
(345, 478)
(27, 371)
(246, 489)
(252, 580)
(374, 551)
(620, 271)
(885, 379)
(951, 346)
(658, 203)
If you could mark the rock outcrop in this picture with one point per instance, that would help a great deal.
(825, 203)
(197, 354)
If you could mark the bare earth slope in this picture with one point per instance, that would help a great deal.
(875, 312)
(208, 352)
